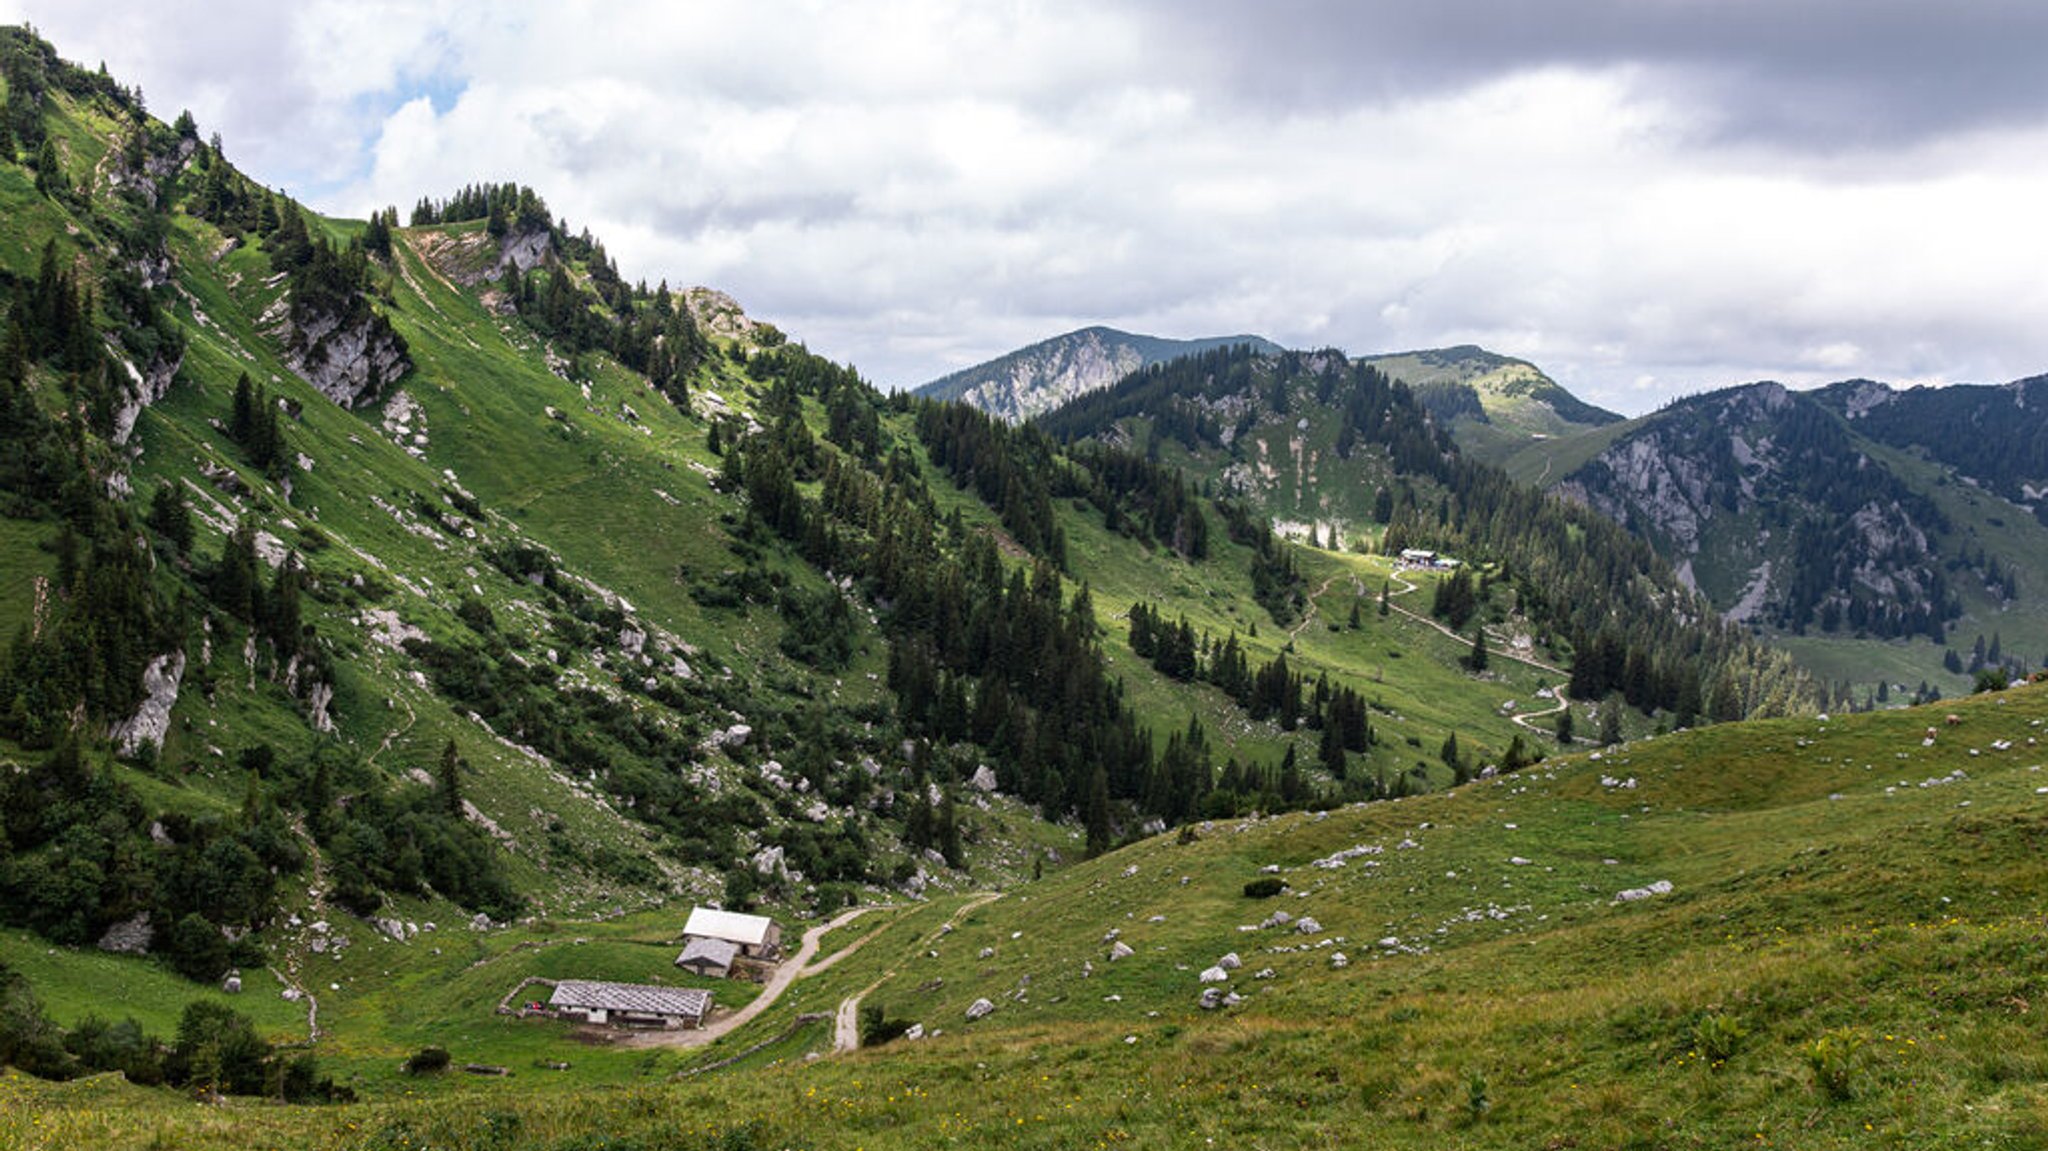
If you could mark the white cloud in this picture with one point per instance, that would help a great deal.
(915, 185)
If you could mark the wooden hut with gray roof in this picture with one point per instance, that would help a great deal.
(631, 1004)
(715, 942)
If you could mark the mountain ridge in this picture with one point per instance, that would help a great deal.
(1034, 379)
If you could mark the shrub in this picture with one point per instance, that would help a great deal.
(1264, 887)
(1717, 1037)
(1832, 1058)
(427, 1061)
(876, 1028)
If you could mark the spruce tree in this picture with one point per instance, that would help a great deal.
(449, 780)
(1098, 813)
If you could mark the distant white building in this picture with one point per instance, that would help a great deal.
(1423, 558)
(756, 936)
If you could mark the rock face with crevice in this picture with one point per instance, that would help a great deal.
(348, 359)
(153, 718)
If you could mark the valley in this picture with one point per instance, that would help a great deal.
(1195, 741)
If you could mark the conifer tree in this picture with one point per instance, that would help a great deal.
(449, 780)
(1098, 812)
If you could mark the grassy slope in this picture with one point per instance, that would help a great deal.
(1819, 890)
(625, 502)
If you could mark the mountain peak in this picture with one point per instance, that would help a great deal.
(1036, 379)
(1492, 403)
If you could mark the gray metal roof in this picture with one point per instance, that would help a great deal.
(717, 951)
(583, 995)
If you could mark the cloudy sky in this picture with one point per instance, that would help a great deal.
(1646, 197)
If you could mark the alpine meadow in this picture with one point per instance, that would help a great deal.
(455, 696)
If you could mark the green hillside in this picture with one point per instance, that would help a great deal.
(1493, 405)
(402, 613)
(1817, 974)
(469, 585)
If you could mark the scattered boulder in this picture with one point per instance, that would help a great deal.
(1212, 998)
(979, 1009)
(1339, 960)
(987, 953)
(232, 985)
(984, 778)
(1215, 975)
(1661, 887)
(1308, 926)
(1120, 950)
(1230, 962)
(131, 936)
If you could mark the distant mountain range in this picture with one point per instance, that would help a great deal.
(1856, 511)
(1030, 381)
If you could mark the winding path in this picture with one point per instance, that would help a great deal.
(846, 1022)
(786, 973)
(1502, 653)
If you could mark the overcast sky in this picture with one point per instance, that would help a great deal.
(1645, 197)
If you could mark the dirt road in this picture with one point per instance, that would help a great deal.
(786, 973)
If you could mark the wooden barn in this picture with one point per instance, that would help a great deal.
(631, 1004)
(756, 936)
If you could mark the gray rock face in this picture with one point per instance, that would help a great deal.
(348, 362)
(145, 387)
(130, 936)
(1026, 382)
(523, 251)
(318, 700)
(980, 1009)
(717, 313)
(153, 718)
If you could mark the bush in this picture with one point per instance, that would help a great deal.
(1832, 1058)
(1264, 887)
(1717, 1037)
(876, 1028)
(427, 1061)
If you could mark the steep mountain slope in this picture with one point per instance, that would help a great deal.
(1022, 384)
(1837, 517)
(1993, 436)
(1336, 453)
(1492, 404)
(373, 574)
